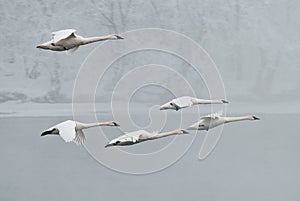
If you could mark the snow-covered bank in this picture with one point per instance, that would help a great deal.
(255, 44)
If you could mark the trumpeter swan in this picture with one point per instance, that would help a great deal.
(213, 120)
(141, 136)
(187, 101)
(68, 40)
(71, 131)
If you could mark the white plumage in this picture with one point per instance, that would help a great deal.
(213, 120)
(71, 131)
(141, 136)
(67, 40)
(187, 101)
(63, 34)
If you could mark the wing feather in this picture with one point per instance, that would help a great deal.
(72, 50)
(183, 102)
(79, 138)
(213, 116)
(62, 34)
(67, 130)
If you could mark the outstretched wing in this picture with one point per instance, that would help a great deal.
(72, 50)
(63, 34)
(67, 130)
(183, 102)
(145, 135)
(216, 115)
(79, 138)
(134, 136)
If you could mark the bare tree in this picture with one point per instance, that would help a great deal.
(115, 13)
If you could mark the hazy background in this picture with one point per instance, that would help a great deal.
(255, 45)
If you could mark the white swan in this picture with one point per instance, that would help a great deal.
(187, 101)
(213, 120)
(141, 136)
(68, 40)
(71, 131)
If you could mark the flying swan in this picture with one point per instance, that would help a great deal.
(187, 101)
(141, 136)
(68, 40)
(213, 120)
(71, 131)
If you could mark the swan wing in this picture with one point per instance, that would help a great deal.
(72, 50)
(183, 102)
(205, 119)
(79, 138)
(135, 135)
(67, 130)
(62, 34)
(144, 135)
(216, 115)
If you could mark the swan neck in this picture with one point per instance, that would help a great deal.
(95, 39)
(232, 119)
(88, 125)
(165, 134)
(205, 101)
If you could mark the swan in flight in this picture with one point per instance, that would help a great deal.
(68, 40)
(71, 131)
(187, 101)
(141, 136)
(213, 120)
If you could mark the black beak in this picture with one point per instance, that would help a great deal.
(115, 124)
(119, 37)
(256, 118)
(108, 145)
(53, 132)
(225, 101)
(46, 133)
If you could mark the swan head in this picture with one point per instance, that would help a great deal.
(169, 106)
(115, 36)
(112, 123)
(51, 131)
(255, 118)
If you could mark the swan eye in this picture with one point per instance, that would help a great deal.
(52, 44)
(117, 142)
(171, 104)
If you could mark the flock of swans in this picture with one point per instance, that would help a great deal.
(72, 131)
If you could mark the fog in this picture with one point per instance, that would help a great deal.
(255, 48)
